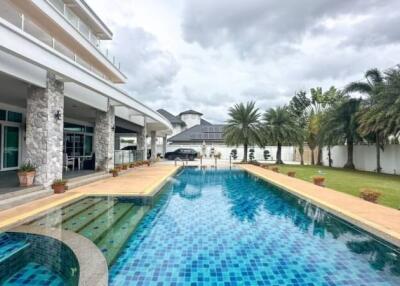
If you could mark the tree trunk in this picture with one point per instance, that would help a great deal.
(245, 153)
(378, 153)
(312, 157)
(301, 151)
(350, 163)
(279, 154)
(319, 159)
(329, 156)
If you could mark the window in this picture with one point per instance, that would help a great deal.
(14, 116)
(2, 115)
(88, 145)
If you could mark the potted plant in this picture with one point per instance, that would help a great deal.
(132, 165)
(370, 195)
(114, 172)
(319, 181)
(275, 169)
(59, 186)
(291, 174)
(26, 174)
(148, 162)
(125, 167)
(118, 168)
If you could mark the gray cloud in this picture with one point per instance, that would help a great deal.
(149, 69)
(257, 27)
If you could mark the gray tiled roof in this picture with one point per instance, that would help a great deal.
(200, 133)
(171, 118)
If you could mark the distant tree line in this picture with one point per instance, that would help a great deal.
(365, 111)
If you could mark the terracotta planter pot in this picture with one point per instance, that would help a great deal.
(118, 168)
(132, 166)
(124, 167)
(275, 169)
(291, 174)
(370, 195)
(319, 181)
(265, 166)
(115, 174)
(26, 178)
(58, 189)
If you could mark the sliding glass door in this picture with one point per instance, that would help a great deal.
(10, 140)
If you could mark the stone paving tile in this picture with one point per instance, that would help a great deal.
(377, 219)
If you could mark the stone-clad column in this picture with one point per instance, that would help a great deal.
(44, 130)
(153, 145)
(104, 138)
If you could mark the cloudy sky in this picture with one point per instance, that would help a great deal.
(207, 55)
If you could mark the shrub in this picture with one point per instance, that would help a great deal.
(59, 182)
(27, 167)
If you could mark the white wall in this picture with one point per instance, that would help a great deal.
(191, 119)
(365, 158)
(287, 152)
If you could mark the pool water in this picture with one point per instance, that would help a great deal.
(226, 227)
(106, 221)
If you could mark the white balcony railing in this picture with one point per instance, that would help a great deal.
(12, 15)
(84, 29)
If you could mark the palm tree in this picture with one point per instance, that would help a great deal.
(341, 123)
(243, 127)
(371, 117)
(280, 128)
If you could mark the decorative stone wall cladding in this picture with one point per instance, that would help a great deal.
(104, 138)
(44, 132)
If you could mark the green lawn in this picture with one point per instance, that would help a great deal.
(352, 181)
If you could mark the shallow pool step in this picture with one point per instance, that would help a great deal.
(115, 238)
(10, 247)
(68, 212)
(102, 223)
(79, 221)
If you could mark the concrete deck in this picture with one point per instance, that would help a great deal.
(142, 181)
(379, 220)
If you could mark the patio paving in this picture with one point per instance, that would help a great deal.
(138, 181)
(379, 220)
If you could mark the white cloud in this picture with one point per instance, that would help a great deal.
(208, 55)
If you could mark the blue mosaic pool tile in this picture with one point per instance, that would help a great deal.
(228, 228)
(34, 275)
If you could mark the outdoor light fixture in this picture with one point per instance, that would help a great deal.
(113, 128)
(57, 115)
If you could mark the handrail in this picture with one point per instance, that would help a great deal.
(177, 158)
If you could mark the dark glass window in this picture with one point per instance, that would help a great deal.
(2, 115)
(73, 127)
(89, 129)
(88, 145)
(14, 116)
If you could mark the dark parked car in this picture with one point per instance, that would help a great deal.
(130, 147)
(182, 153)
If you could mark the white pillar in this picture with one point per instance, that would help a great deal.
(144, 134)
(44, 130)
(164, 145)
(153, 145)
(104, 138)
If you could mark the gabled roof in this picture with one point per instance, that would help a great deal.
(204, 122)
(190, 111)
(171, 118)
(200, 133)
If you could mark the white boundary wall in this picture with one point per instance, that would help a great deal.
(365, 158)
(287, 151)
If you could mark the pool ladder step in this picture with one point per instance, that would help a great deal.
(114, 240)
(99, 226)
(11, 251)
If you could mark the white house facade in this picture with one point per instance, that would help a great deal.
(60, 92)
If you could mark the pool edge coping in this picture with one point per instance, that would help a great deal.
(367, 225)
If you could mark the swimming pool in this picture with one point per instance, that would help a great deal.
(226, 227)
